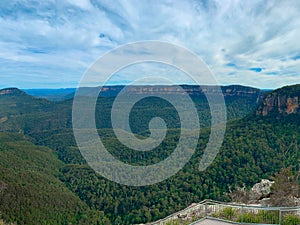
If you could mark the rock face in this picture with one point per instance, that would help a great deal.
(11, 91)
(283, 101)
(261, 190)
(192, 90)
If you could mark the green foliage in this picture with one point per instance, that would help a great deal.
(178, 222)
(43, 188)
(3, 223)
(292, 90)
(227, 213)
(237, 215)
(30, 191)
(249, 218)
(290, 219)
(262, 217)
(250, 152)
(269, 216)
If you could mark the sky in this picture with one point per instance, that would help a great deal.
(51, 43)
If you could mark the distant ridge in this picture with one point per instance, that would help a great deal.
(52, 94)
(112, 91)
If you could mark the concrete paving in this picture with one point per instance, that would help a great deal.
(212, 222)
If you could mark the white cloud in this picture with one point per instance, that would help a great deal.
(70, 35)
(83, 4)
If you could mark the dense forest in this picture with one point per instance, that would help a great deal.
(45, 180)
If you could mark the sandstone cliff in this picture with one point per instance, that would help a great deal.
(284, 101)
(11, 91)
(192, 90)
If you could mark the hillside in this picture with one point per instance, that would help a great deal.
(16, 102)
(30, 189)
(20, 112)
(255, 147)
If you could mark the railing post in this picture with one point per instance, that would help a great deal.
(280, 216)
(206, 209)
(242, 214)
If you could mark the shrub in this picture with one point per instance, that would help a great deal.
(291, 219)
(249, 218)
(227, 213)
(269, 216)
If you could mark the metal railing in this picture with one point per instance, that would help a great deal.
(228, 212)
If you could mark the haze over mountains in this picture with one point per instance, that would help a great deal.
(112, 91)
(45, 179)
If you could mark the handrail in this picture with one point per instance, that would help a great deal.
(250, 206)
(178, 213)
(213, 202)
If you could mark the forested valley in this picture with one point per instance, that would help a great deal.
(45, 179)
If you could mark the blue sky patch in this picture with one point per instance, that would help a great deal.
(256, 69)
(231, 65)
(296, 57)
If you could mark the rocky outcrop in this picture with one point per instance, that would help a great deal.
(260, 191)
(11, 91)
(259, 194)
(3, 119)
(283, 101)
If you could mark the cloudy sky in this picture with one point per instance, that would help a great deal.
(51, 43)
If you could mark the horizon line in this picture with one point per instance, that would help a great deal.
(139, 85)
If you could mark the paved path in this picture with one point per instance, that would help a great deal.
(212, 222)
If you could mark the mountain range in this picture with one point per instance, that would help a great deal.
(45, 180)
(112, 91)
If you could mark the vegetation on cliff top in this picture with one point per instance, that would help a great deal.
(254, 148)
